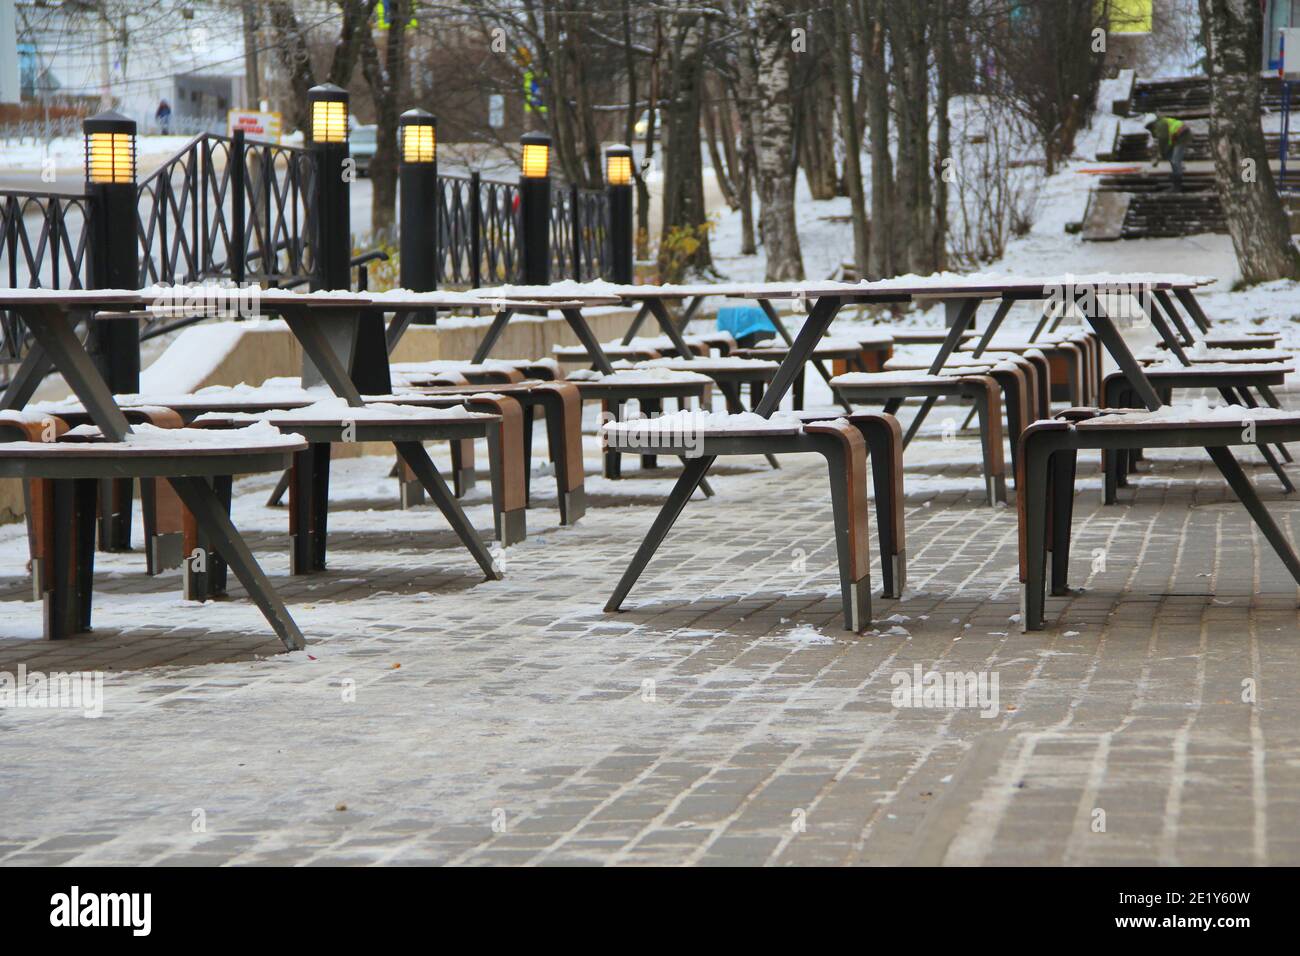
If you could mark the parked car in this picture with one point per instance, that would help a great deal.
(362, 142)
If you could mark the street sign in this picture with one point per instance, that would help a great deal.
(1290, 50)
(255, 124)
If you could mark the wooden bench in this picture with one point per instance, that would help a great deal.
(1073, 361)
(841, 353)
(1234, 382)
(844, 444)
(1245, 340)
(66, 469)
(982, 389)
(649, 388)
(328, 423)
(561, 406)
(1045, 487)
(577, 355)
(1024, 391)
(546, 369)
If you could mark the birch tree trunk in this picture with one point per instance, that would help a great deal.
(775, 145)
(1261, 234)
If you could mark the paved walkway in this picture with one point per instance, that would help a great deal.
(725, 718)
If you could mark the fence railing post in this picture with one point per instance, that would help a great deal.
(196, 262)
(475, 229)
(575, 223)
(238, 160)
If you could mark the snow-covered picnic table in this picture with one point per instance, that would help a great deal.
(1085, 295)
(51, 316)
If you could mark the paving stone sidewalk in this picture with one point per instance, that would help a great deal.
(725, 718)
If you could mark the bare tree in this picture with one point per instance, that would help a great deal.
(1048, 57)
(851, 133)
(875, 81)
(1257, 222)
(294, 51)
(684, 241)
(776, 141)
(388, 77)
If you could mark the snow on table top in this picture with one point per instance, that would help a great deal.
(985, 284)
(721, 362)
(693, 421)
(1198, 412)
(150, 437)
(275, 390)
(827, 343)
(337, 409)
(1201, 352)
(28, 416)
(875, 336)
(460, 365)
(1250, 368)
(924, 352)
(638, 376)
(955, 365)
(899, 375)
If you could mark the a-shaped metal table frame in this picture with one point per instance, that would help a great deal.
(654, 302)
(961, 297)
(326, 325)
(652, 299)
(506, 301)
(50, 317)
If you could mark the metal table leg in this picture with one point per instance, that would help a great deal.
(1004, 306)
(1223, 458)
(639, 318)
(695, 470)
(1193, 308)
(27, 379)
(499, 322)
(660, 312)
(413, 454)
(818, 364)
(588, 339)
(965, 318)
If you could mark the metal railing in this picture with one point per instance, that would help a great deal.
(579, 233)
(43, 240)
(479, 232)
(227, 208)
(478, 237)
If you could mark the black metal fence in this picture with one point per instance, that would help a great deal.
(226, 208)
(204, 216)
(478, 231)
(579, 233)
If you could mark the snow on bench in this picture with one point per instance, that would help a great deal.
(1199, 413)
(258, 436)
(689, 422)
(638, 376)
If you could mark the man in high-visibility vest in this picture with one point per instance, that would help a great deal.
(1171, 136)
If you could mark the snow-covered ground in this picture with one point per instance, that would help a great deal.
(826, 238)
